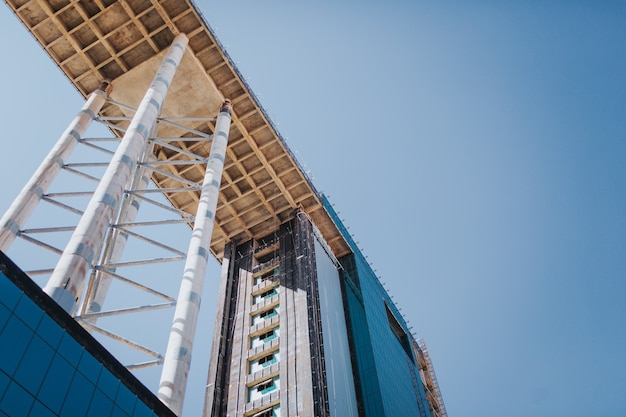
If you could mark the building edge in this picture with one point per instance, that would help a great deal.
(431, 401)
(72, 328)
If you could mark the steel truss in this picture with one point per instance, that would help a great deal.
(117, 267)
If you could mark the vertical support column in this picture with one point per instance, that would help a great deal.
(178, 354)
(26, 202)
(67, 280)
(115, 246)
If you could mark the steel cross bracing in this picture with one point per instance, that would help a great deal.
(122, 268)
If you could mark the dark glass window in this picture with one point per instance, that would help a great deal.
(398, 331)
(265, 387)
(4, 316)
(36, 360)
(17, 401)
(70, 349)
(40, 410)
(269, 359)
(50, 331)
(142, 410)
(108, 384)
(268, 313)
(10, 293)
(118, 412)
(28, 312)
(19, 335)
(269, 293)
(4, 383)
(56, 383)
(90, 368)
(46, 371)
(267, 335)
(78, 397)
(126, 400)
(101, 405)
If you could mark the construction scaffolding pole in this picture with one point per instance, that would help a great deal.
(67, 280)
(178, 354)
(28, 199)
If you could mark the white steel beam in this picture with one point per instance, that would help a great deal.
(177, 359)
(68, 279)
(116, 245)
(26, 202)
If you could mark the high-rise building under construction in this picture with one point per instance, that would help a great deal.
(303, 330)
(304, 326)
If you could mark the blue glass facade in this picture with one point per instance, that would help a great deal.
(50, 366)
(386, 371)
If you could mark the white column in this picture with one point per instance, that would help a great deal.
(67, 280)
(118, 244)
(26, 202)
(178, 354)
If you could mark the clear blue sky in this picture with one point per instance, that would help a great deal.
(476, 150)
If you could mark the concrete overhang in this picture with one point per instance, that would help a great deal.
(123, 41)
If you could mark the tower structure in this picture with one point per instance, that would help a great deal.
(281, 346)
(304, 327)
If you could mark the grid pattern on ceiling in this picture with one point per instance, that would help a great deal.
(262, 185)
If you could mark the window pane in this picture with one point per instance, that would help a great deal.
(117, 412)
(32, 368)
(89, 367)
(56, 383)
(264, 388)
(70, 349)
(4, 383)
(269, 336)
(126, 399)
(78, 398)
(28, 312)
(16, 401)
(101, 405)
(39, 410)
(50, 331)
(9, 293)
(108, 383)
(17, 335)
(142, 410)
(4, 316)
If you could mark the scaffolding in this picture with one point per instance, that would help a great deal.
(429, 380)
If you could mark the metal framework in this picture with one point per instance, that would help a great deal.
(123, 41)
(129, 228)
(157, 162)
(67, 279)
(429, 380)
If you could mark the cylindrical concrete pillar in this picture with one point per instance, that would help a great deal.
(178, 354)
(26, 202)
(67, 280)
